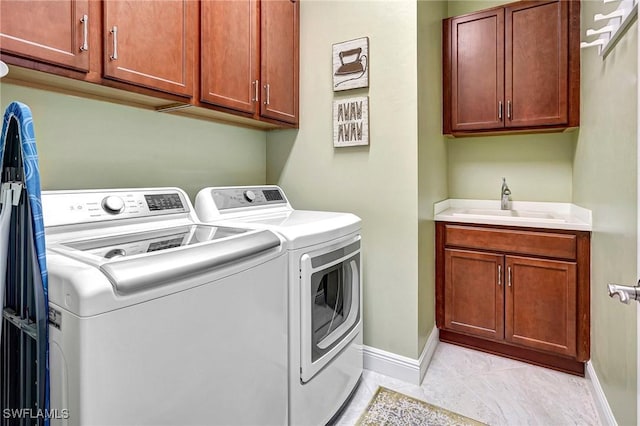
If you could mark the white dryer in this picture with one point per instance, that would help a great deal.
(325, 292)
(156, 319)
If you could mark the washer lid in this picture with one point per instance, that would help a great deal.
(302, 228)
(141, 260)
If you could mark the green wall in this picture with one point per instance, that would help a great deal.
(537, 167)
(605, 180)
(460, 7)
(84, 143)
(432, 155)
(378, 182)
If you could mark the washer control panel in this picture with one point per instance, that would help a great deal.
(72, 207)
(236, 197)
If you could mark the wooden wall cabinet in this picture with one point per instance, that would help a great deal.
(144, 44)
(514, 68)
(279, 57)
(250, 56)
(519, 293)
(54, 32)
(151, 43)
(229, 54)
(235, 61)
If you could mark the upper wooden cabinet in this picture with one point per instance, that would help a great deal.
(54, 32)
(152, 43)
(279, 44)
(477, 76)
(229, 61)
(249, 57)
(513, 68)
(235, 61)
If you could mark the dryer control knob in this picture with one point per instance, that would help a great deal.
(113, 204)
(249, 195)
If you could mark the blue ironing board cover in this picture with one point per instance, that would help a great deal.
(22, 113)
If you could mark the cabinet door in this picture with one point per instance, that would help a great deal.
(151, 43)
(229, 54)
(536, 63)
(473, 294)
(279, 52)
(50, 31)
(541, 304)
(477, 71)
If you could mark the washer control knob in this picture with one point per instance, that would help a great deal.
(113, 204)
(249, 195)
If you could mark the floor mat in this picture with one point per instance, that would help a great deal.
(388, 407)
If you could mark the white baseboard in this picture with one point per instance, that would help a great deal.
(400, 367)
(427, 352)
(604, 410)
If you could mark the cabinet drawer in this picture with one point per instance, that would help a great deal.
(535, 243)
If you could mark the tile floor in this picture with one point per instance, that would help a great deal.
(491, 389)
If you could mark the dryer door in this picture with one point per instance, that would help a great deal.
(330, 304)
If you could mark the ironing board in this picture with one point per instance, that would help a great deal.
(24, 362)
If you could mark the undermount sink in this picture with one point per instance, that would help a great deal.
(521, 215)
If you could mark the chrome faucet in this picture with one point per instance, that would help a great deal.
(505, 204)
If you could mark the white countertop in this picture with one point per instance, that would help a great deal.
(530, 214)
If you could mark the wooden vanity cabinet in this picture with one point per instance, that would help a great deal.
(250, 56)
(512, 68)
(474, 304)
(522, 293)
(541, 304)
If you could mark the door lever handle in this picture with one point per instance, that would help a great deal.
(625, 293)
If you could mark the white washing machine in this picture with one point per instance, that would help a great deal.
(325, 292)
(156, 319)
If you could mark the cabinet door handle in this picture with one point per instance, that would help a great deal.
(509, 110)
(85, 33)
(255, 85)
(114, 31)
(500, 110)
(499, 275)
(266, 86)
(509, 276)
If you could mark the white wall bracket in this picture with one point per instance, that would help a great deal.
(618, 22)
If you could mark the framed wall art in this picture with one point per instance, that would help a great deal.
(351, 121)
(351, 64)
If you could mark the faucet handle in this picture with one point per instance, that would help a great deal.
(505, 188)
